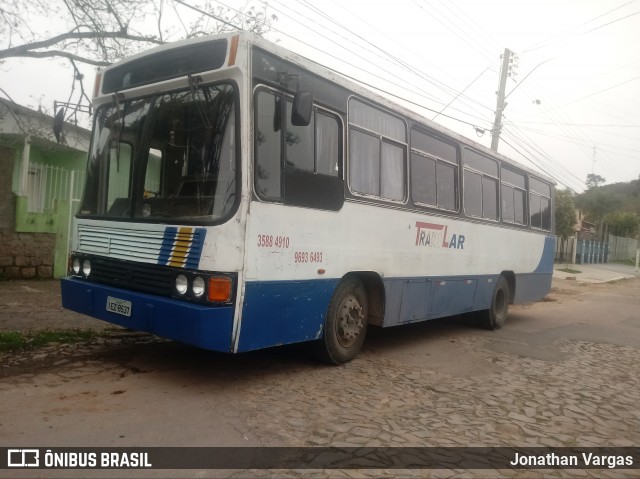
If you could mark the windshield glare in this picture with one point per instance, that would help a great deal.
(168, 156)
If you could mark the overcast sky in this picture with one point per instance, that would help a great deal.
(573, 106)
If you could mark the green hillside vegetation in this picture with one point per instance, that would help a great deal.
(614, 207)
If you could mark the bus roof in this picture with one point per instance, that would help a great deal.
(340, 79)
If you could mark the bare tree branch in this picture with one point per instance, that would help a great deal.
(24, 50)
(70, 56)
(101, 32)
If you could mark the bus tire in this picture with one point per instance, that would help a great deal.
(496, 315)
(345, 324)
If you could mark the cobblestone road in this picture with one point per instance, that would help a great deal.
(565, 372)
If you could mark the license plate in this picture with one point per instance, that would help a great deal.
(119, 306)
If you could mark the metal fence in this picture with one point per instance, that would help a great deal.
(564, 250)
(590, 251)
(48, 183)
(622, 249)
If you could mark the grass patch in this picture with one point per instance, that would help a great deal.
(569, 270)
(15, 340)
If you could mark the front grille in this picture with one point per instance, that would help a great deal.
(125, 244)
(144, 277)
(149, 278)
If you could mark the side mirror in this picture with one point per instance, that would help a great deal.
(302, 108)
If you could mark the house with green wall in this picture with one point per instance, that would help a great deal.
(41, 183)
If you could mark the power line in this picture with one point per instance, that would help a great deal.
(552, 40)
(602, 91)
(438, 84)
(572, 139)
(454, 28)
(387, 55)
(611, 22)
(396, 60)
(577, 124)
(341, 73)
(458, 95)
(536, 164)
(424, 93)
(202, 12)
(544, 157)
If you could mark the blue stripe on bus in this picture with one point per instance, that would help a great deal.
(548, 255)
(283, 312)
(193, 257)
(409, 300)
(167, 245)
(286, 312)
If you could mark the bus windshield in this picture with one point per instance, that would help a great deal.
(169, 156)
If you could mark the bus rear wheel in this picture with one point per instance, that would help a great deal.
(496, 315)
(345, 324)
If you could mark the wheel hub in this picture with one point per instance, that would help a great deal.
(350, 320)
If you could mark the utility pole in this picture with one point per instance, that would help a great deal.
(497, 125)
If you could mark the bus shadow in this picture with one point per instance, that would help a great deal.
(180, 362)
(422, 332)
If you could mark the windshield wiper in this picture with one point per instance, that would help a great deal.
(195, 84)
(116, 135)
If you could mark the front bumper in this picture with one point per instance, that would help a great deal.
(204, 326)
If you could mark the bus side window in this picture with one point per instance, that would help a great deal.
(299, 165)
(377, 152)
(480, 186)
(540, 204)
(268, 147)
(327, 145)
(434, 172)
(513, 197)
(311, 163)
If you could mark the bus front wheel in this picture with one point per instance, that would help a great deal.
(345, 324)
(496, 315)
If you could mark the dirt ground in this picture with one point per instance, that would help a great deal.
(37, 305)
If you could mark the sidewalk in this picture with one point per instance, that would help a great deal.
(595, 273)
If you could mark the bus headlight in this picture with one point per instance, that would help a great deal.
(182, 284)
(197, 288)
(75, 266)
(86, 267)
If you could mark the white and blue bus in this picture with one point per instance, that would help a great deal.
(239, 196)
